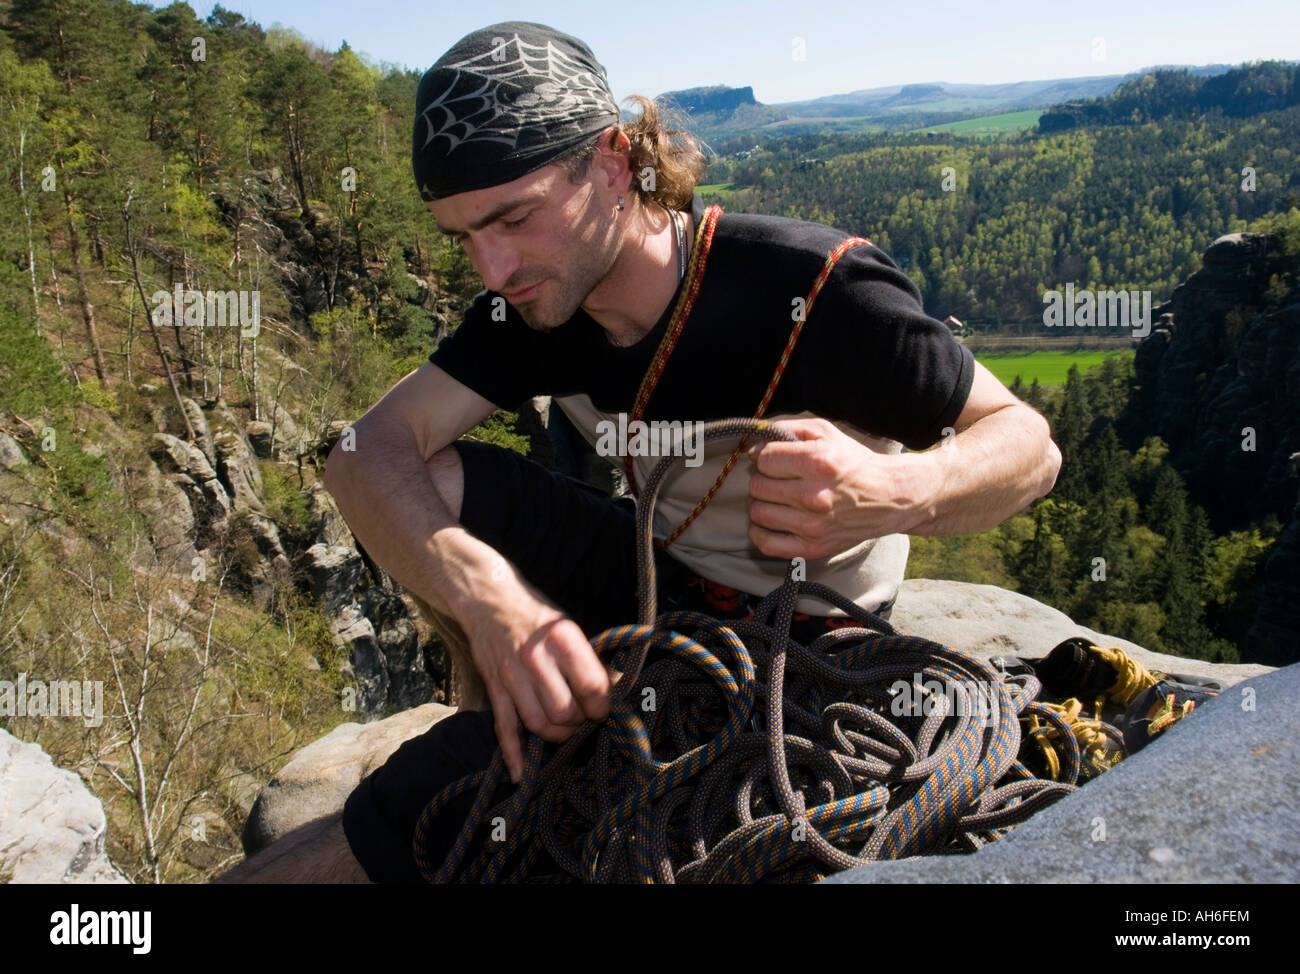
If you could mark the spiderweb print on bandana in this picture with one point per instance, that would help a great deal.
(496, 96)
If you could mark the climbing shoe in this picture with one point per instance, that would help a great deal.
(1075, 669)
(1147, 702)
(1157, 708)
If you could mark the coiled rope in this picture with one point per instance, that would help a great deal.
(733, 754)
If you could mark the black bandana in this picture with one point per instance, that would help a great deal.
(505, 100)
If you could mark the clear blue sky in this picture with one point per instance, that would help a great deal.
(655, 47)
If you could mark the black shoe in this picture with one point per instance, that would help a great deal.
(1158, 708)
(1074, 669)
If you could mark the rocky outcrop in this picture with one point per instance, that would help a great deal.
(1215, 799)
(238, 469)
(195, 495)
(1219, 381)
(401, 651)
(990, 621)
(374, 625)
(1273, 637)
(329, 527)
(1229, 359)
(203, 433)
(184, 465)
(556, 443)
(168, 514)
(11, 454)
(51, 826)
(318, 779)
(336, 574)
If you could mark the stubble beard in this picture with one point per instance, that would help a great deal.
(592, 263)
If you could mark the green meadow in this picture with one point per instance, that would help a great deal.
(1049, 368)
(991, 124)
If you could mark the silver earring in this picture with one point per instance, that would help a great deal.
(620, 202)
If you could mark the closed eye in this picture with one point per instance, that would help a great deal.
(462, 238)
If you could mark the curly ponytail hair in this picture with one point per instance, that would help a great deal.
(667, 159)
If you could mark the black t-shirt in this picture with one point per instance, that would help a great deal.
(868, 353)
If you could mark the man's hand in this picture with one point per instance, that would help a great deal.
(823, 494)
(828, 492)
(536, 664)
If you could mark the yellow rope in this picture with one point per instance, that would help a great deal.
(1168, 713)
(1087, 731)
(1131, 679)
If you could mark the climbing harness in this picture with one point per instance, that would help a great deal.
(733, 754)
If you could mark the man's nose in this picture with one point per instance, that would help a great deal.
(495, 262)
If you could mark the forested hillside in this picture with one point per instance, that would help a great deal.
(986, 228)
(1166, 94)
(144, 151)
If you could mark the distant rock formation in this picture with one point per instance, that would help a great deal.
(719, 109)
(916, 94)
(718, 98)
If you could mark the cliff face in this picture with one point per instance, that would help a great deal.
(195, 497)
(1219, 381)
(717, 99)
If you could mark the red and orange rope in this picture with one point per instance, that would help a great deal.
(685, 304)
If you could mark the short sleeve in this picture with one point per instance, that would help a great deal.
(869, 354)
(504, 360)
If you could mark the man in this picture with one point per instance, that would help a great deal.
(595, 256)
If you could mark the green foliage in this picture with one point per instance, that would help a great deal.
(1047, 368)
(74, 485)
(499, 429)
(360, 363)
(1285, 226)
(1122, 206)
(456, 275)
(97, 395)
(31, 379)
(1118, 545)
(291, 661)
(286, 504)
(978, 559)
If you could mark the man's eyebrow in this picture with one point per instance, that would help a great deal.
(494, 214)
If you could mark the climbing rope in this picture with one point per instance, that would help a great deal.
(734, 754)
(1101, 743)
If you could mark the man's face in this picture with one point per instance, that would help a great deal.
(540, 229)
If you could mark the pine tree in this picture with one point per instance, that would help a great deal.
(1182, 567)
(1069, 430)
(1110, 513)
(1042, 564)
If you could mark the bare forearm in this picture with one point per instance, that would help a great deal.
(385, 492)
(976, 479)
